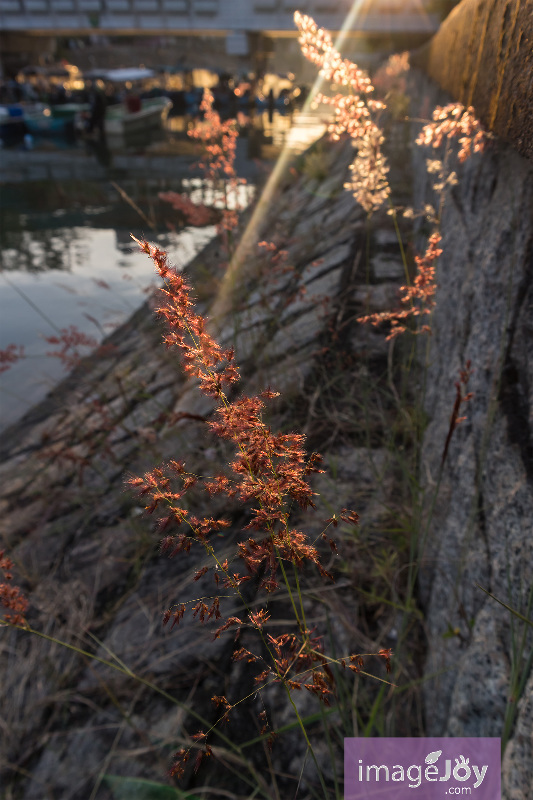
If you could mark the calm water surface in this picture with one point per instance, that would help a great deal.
(67, 258)
(73, 263)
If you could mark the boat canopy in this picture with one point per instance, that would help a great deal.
(127, 74)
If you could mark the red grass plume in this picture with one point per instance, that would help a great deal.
(11, 597)
(353, 111)
(418, 296)
(269, 474)
(454, 121)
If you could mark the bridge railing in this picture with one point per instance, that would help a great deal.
(184, 15)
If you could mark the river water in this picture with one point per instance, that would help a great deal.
(67, 259)
(66, 254)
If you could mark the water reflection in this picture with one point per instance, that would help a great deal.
(40, 250)
(54, 275)
(66, 256)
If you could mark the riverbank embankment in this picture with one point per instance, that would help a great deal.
(89, 559)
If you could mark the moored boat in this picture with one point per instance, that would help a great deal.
(12, 126)
(69, 110)
(56, 120)
(151, 116)
(42, 122)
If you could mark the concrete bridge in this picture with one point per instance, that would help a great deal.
(83, 17)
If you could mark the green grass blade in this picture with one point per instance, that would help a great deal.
(140, 789)
(512, 610)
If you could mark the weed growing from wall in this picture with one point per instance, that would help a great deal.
(268, 473)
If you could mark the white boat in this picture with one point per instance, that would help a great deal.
(151, 116)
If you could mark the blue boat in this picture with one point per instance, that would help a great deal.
(12, 124)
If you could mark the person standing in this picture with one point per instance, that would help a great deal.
(98, 109)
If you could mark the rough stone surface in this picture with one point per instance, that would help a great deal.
(480, 531)
(482, 55)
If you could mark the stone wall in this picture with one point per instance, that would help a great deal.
(483, 56)
(478, 672)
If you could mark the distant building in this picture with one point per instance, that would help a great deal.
(78, 17)
(246, 26)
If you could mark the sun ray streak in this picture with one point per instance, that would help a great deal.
(250, 236)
